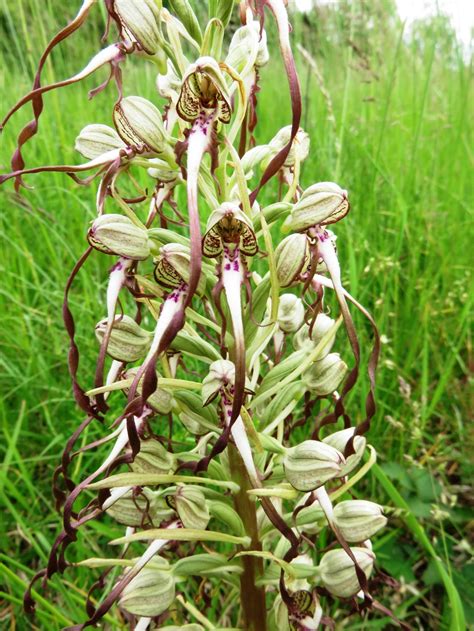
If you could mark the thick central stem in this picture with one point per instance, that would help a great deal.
(252, 597)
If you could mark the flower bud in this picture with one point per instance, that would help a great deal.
(322, 325)
(221, 373)
(117, 234)
(141, 19)
(173, 266)
(358, 520)
(204, 87)
(162, 172)
(229, 225)
(128, 342)
(246, 44)
(140, 125)
(94, 140)
(290, 313)
(151, 592)
(291, 258)
(135, 509)
(196, 419)
(320, 204)
(253, 157)
(339, 440)
(153, 458)
(312, 463)
(160, 401)
(299, 147)
(323, 377)
(191, 507)
(338, 571)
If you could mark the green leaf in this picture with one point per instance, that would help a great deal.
(182, 534)
(213, 37)
(154, 479)
(184, 12)
(195, 346)
(221, 9)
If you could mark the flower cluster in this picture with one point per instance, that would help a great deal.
(231, 462)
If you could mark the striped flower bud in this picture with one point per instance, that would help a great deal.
(299, 147)
(117, 234)
(290, 313)
(303, 339)
(320, 204)
(173, 266)
(204, 88)
(323, 377)
(140, 125)
(94, 140)
(141, 21)
(151, 592)
(128, 342)
(228, 225)
(135, 509)
(358, 520)
(339, 440)
(190, 503)
(312, 463)
(160, 401)
(338, 573)
(292, 258)
(153, 458)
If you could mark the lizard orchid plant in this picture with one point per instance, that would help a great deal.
(233, 459)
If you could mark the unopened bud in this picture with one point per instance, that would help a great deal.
(299, 147)
(339, 440)
(162, 172)
(196, 418)
(128, 342)
(221, 373)
(253, 157)
(290, 313)
(135, 509)
(338, 571)
(117, 234)
(204, 87)
(312, 463)
(358, 520)
(246, 44)
(160, 401)
(151, 592)
(292, 258)
(303, 339)
(141, 19)
(140, 125)
(153, 458)
(94, 140)
(323, 377)
(191, 507)
(173, 267)
(320, 204)
(229, 225)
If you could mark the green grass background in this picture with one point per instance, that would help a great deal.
(396, 104)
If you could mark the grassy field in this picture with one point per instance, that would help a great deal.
(388, 114)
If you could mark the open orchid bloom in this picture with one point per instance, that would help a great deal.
(221, 459)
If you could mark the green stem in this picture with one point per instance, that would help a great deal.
(252, 598)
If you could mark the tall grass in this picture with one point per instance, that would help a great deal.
(401, 123)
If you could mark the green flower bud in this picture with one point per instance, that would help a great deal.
(338, 571)
(204, 87)
(292, 258)
(140, 125)
(322, 325)
(229, 225)
(299, 148)
(221, 373)
(312, 463)
(191, 506)
(136, 510)
(320, 204)
(196, 419)
(162, 172)
(290, 313)
(128, 342)
(206, 565)
(253, 157)
(118, 235)
(94, 140)
(173, 265)
(141, 20)
(160, 401)
(153, 458)
(339, 440)
(247, 47)
(151, 592)
(323, 377)
(358, 520)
